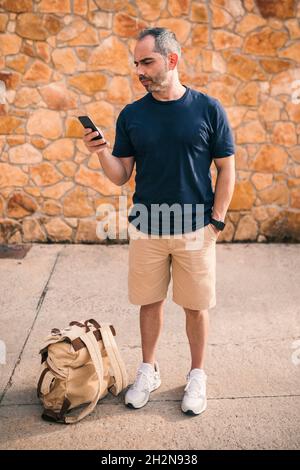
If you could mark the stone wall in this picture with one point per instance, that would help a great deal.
(63, 58)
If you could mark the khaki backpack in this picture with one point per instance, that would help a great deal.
(80, 365)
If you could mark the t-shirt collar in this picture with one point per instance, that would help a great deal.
(179, 100)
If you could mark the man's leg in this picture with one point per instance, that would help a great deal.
(151, 322)
(194, 288)
(148, 375)
(194, 400)
(197, 322)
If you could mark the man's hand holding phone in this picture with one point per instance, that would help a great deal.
(94, 145)
(92, 138)
(94, 141)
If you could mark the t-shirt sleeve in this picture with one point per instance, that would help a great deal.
(222, 141)
(123, 146)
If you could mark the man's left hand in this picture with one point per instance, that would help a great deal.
(215, 229)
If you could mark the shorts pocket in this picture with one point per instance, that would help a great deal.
(212, 231)
(194, 240)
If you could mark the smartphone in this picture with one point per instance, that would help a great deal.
(88, 123)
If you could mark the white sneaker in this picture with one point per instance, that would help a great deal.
(147, 380)
(194, 399)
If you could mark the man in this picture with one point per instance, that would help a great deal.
(172, 134)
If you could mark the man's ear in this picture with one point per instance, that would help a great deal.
(173, 60)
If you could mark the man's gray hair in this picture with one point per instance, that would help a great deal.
(165, 40)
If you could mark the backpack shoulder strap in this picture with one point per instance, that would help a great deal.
(116, 361)
(93, 348)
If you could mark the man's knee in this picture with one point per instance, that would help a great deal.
(154, 306)
(195, 313)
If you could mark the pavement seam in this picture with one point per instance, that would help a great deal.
(38, 309)
(169, 400)
(247, 341)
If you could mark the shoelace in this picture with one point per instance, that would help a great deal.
(142, 381)
(195, 387)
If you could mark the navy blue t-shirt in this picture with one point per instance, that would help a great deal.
(173, 143)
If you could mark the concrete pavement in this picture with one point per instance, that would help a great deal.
(253, 357)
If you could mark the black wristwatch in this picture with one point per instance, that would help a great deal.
(217, 223)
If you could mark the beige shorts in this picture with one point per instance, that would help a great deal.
(192, 259)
